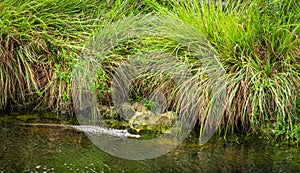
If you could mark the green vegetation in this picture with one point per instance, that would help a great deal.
(40, 42)
(257, 43)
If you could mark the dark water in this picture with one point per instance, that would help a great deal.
(51, 149)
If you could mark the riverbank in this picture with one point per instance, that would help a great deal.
(256, 43)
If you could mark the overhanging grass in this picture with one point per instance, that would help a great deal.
(257, 43)
(40, 42)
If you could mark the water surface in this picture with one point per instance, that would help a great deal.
(56, 149)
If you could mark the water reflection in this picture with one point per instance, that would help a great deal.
(45, 149)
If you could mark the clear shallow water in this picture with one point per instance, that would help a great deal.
(51, 149)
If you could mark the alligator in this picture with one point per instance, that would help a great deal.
(100, 130)
(91, 129)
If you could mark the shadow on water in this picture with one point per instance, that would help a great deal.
(56, 149)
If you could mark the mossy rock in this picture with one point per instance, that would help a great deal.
(127, 111)
(139, 106)
(148, 121)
